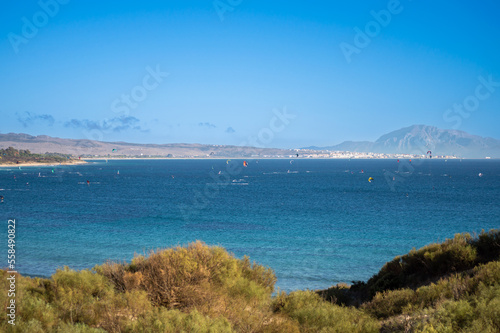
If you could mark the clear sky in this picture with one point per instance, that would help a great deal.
(283, 73)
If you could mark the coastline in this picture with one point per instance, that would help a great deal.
(269, 158)
(37, 164)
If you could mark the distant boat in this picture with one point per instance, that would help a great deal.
(118, 172)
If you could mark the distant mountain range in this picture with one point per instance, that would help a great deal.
(418, 139)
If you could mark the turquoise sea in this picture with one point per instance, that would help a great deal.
(315, 222)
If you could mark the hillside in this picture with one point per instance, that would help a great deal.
(448, 287)
(418, 139)
(89, 148)
(13, 156)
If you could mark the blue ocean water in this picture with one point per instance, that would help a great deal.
(314, 222)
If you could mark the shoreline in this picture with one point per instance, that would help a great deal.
(269, 158)
(96, 159)
(37, 164)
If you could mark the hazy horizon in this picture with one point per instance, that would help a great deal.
(284, 74)
(248, 142)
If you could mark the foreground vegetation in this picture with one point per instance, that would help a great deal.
(448, 287)
(15, 156)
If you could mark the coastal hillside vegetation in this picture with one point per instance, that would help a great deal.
(453, 286)
(16, 156)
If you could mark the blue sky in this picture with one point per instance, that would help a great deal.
(220, 71)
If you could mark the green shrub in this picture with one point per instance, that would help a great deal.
(81, 296)
(452, 288)
(389, 303)
(32, 307)
(162, 320)
(187, 276)
(488, 274)
(424, 265)
(341, 294)
(488, 245)
(77, 328)
(314, 314)
(479, 312)
(205, 289)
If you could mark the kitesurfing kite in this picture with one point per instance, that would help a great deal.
(370, 179)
